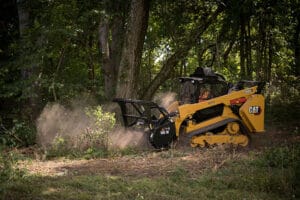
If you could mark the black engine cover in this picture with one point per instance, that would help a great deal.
(164, 133)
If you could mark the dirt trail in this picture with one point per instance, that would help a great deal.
(148, 165)
(151, 164)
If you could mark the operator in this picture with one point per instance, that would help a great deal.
(205, 94)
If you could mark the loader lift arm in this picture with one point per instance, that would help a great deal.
(139, 110)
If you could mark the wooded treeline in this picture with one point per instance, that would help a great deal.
(53, 51)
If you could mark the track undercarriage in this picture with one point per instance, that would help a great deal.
(230, 135)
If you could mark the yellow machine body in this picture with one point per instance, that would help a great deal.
(236, 126)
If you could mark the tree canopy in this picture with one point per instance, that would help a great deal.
(53, 51)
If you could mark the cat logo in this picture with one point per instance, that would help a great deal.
(165, 131)
(256, 110)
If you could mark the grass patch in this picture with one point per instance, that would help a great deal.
(261, 176)
(106, 187)
(92, 153)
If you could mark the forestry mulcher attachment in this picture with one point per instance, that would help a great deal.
(209, 111)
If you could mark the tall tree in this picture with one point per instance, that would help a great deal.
(296, 42)
(111, 38)
(31, 100)
(132, 49)
(9, 73)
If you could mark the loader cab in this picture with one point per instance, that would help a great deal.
(202, 85)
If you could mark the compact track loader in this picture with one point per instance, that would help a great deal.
(209, 111)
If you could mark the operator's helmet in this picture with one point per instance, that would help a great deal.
(202, 72)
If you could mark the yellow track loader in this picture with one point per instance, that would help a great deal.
(209, 111)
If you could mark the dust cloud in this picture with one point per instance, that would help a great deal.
(56, 120)
(73, 124)
(122, 138)
(165, 99)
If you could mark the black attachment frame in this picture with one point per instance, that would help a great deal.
(144, 110)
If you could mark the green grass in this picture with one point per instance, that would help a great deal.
(271, 175)
(101, 187)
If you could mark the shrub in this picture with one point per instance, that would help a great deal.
(59, 147)
(21, 134)
(284, 109)
(282, 157)
(8, 171)
(103, 123)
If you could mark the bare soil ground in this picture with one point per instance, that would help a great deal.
(151, 163)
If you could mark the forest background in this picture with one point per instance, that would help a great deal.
(57, 51)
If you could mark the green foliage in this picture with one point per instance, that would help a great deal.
(54, 55)
(284, 109)
(21, 134)
(8, 170)
(282, 157)
(104, 124)
(60, 147)
(93, 152)
(6, 167)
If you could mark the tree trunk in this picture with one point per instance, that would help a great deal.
(248, 51)
(132, 49)
(270, 58)
(260, 49)
(296, 41)
(111, 36)
(30, 106)
(227, 51)
(117, 35)
(200, 52)
(183, 69)
(107, 69)
(91, 67)
(23, 17)
(242, 46)
(23, 14)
